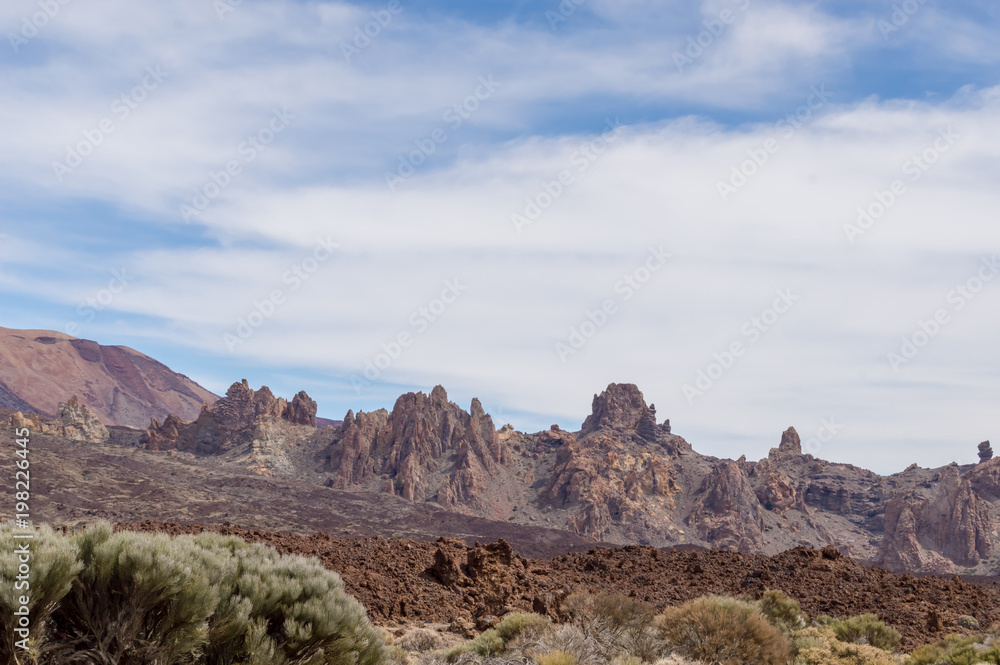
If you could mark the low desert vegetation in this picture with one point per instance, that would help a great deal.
(100, 597)
(863, 629)
(604, 629)
(960, 650)
(725, 631)
(149, 599)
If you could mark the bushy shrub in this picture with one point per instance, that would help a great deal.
(420, 640)
(53, 567)
(966, 621)
(864, 629)
(487, 643)
(572, 640)
(819, 646)
(618, 624)
(556, 658)
(724, 630)
(149, 599)
(958, 650)
(517, 624)
(783, 612)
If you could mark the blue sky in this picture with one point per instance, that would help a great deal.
(525, 201)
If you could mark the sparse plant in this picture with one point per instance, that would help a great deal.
(571, 639)
(420, 640)
(556, 658)
(521, 624)
(819, 646)
(723, 630)
(958, 650)
(782, 611)
(619, 624)
(487, 643)
(969, 622)
(865, 629)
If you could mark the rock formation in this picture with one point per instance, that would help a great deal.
(74, 421)
(952, 528)
(985, 451)
(728, 513)
(402, 451)
(235, 421)
(789, 448)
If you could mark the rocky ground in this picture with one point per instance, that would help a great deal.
(468, 585)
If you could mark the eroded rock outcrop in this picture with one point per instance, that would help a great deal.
(622, 407)
(985, 451)
(404, 450)
(952, 528)
(728, 513)
(73, 421)
(234, 421)
(985, 478)
(604, 484)
(790, 446)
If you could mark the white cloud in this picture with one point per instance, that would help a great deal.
(656, 184)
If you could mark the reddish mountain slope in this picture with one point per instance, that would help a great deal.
(41, 368)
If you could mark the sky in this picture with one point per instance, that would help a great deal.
(765, 214)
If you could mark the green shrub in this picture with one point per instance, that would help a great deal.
(966, 621)
(724, 630)
(819, 646)
(865, 629)
(958, 650)
(149, 599)
(782, 611)
(139, 599)
(53, 565)
(451, 654)
(556, 658)
(487, 643)
(516, 624)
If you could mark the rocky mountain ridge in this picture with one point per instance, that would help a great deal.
(622, 478)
